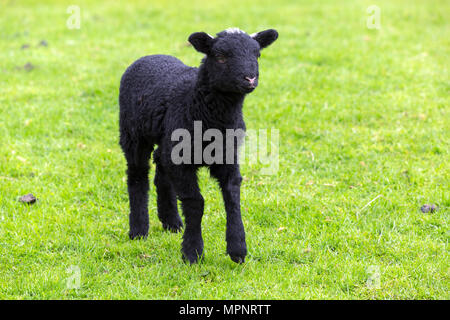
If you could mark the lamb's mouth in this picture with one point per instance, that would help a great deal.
(248, 88)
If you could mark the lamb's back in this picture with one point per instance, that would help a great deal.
(148, 87)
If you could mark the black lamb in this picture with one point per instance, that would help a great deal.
(158, 95)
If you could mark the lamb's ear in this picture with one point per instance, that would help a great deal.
(201, 41)
(265, 38)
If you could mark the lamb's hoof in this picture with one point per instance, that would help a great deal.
(137, 234)
(193, 260)
(238, 259)
(237, 251)
(174, 226)
(192, 255)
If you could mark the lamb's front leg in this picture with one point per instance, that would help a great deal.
(192, 204)
(230, 179)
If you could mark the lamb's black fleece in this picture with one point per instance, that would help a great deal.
(159, 94)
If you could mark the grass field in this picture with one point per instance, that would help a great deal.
(363, 114)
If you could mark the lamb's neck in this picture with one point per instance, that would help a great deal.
(217, 109)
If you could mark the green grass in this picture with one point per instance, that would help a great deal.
(361, 113)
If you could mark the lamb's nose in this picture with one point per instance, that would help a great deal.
(251, 80)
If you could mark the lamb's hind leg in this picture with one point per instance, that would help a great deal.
(186, 187)
(138, 185)
(166, 201)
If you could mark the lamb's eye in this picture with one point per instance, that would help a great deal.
(221, 59)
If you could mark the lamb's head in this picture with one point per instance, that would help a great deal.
(231, 62)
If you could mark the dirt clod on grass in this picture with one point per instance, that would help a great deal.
(429, 208)
(28, 66)
(28, 198)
